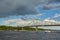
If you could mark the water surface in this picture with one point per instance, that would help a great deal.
(29, 35)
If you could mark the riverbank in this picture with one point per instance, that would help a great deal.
(27, 28)
(19, 28)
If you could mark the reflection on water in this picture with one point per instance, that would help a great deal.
(50, 27)
(29, 35)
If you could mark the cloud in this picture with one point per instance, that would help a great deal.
(21, 22)
(54, 1)
(49, 20)
(51, 6)
(15, 22)
(19, 7)
(56, 15)
(22, 7)
(32, 17)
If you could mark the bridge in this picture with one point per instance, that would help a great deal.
(37, 23)
(43, 23)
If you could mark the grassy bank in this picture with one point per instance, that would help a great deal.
(18, 28)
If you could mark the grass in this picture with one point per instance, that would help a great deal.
(18, 28)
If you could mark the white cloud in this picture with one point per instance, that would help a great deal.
(32, 17)
(16, 22)
(49, 20)
(28, 22)
(56, 15)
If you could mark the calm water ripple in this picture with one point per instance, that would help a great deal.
(29, 35)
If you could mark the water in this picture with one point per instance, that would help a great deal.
(50, 27)
(29, 35)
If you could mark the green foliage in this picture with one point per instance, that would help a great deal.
(18, 28)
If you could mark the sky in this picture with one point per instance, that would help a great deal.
(14, 11)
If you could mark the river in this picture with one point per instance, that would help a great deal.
(29, 35)
(50, 27)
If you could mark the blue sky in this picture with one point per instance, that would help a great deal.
(49, 13)
(40, 9)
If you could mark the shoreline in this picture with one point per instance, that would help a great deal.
(58, 31)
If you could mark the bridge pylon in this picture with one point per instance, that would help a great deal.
(36, 28)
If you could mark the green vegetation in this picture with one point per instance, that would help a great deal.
(18, 28)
